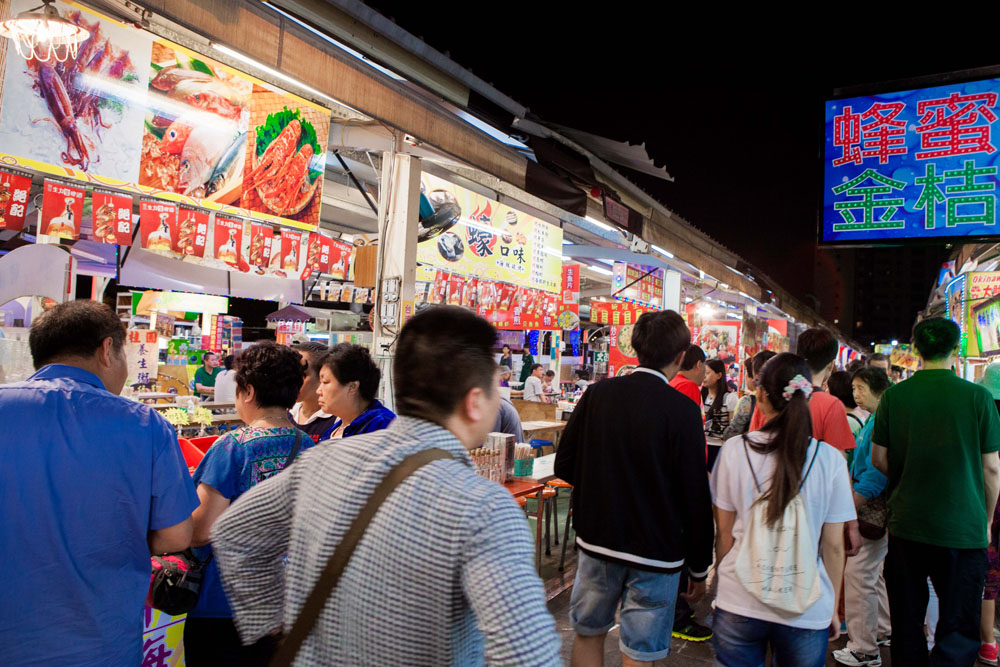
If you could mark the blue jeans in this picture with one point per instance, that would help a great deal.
(742, 642)
(646, 600)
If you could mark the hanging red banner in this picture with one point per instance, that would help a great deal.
(14, 190)
(111, 218)
(62, 209)
(517, 307)
(192, 231)
(317, 255)
(291, 244)
(569, 301)
(615, 312)
(158, 225)
(621, 355)
(340, 259)
(228, 239)
(261, 237)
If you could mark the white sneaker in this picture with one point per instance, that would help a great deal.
(846, 656)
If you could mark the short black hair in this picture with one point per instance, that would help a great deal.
(878, 356)
(274, 371)
(436, 338)
(353, 363)
(550, 374)
(875, 378)
(228, 361)
(535, 367)
(74, 329)
(935, 338)
(658, 337)
(316, 352)
(207, 355)
(839, 385)
(758, 360)
(818, 347)
(693, 355)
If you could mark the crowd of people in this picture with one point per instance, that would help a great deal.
(332, 530)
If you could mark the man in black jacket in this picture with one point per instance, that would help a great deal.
(634, 452)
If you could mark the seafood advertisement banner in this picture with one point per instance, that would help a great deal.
(291, 245)
(158, 225)
(261, 238)
(139, 113)
(14, 189)
(62, 210)
(228, 239)
(192, 231)
(483, 238)
(112, 218)
(718, 339)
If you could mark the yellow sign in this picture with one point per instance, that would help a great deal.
(492, 241)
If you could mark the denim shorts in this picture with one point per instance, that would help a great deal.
(740, 641)
(646, 600)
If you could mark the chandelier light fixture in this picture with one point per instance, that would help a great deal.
(42, 34)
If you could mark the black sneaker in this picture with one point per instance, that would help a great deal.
(692, 631)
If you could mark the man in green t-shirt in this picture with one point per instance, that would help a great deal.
(204, 377)
(936, 437)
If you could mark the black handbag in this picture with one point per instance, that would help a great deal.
(873, 516)
(175, 585)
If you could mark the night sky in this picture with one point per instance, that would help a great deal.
(733, 108)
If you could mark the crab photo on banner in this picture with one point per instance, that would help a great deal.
(192, 230)
(228, 239)
(285, 155)
(62, 210)
(261, 241)
(111, 218)
(80, 114)
(195, 131)
(14, 190)
(158, 226)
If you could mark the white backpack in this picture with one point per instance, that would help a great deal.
(777, 564)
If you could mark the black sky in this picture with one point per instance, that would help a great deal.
(731, 105)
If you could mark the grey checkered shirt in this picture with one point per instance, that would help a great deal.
(443, 575)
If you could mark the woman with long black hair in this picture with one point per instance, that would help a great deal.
(718, 403)
(777, 484)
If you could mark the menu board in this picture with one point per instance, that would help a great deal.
(638, 284)
(14, 190)
(569, 302)
(145, 115)
(613, 312)
(493, 241)
(62, 210)
(912, 164)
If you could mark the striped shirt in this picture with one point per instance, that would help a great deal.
(443, 574)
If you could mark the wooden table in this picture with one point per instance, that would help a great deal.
(532, 428)
(153, 395)
(211, 405)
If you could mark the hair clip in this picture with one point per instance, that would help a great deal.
(798, 383)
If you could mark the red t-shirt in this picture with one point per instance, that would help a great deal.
(688, 388)
(829, 418)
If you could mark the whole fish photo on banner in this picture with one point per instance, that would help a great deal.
(62, 210)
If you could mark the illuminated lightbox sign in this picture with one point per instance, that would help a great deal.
(916, 164)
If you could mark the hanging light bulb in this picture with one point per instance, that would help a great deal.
(44, 35)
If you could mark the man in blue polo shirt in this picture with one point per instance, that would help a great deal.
(91, 484)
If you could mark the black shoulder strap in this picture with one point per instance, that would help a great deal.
(327, 582)
(746, 451)
(809, 469)
(295, 449)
